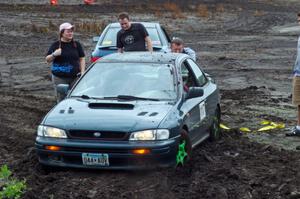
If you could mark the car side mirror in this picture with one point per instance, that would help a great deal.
(194, 92)
(62, 89)
(210, 77)
(95, 39)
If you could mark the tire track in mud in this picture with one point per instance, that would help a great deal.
(226, 169)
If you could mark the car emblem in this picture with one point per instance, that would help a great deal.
(97, 134)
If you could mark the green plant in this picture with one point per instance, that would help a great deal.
(4, 172)
(10, 187)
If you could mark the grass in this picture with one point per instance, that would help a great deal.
(94, 27)
(220, 8)
(39, 29)
(202, 11)
(9, 186)
(174, 9)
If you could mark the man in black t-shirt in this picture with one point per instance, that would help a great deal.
(132, 36)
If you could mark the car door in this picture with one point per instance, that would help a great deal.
(198, 115)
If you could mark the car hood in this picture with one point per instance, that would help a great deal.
(110, 115)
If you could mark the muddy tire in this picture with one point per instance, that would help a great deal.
(184, 149)
(215, 131)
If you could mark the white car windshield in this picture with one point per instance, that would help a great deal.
(142, 80)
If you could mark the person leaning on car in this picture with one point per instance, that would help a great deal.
(132, 36)
(177, 46)
(67, 58)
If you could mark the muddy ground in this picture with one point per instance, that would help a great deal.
(248, 46)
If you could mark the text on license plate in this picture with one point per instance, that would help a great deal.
(100, 159)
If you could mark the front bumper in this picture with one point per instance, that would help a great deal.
(162, 153)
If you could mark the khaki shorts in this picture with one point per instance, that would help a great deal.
(296, 90)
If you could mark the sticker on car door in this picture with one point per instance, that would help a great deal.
(202, 110)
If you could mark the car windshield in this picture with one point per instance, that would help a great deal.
(111, 37)
(136, 80)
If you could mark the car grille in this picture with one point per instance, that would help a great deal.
(98, 135)
(95, 150)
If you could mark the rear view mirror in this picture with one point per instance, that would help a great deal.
(95, 39)
(194, 92)
(62, 89)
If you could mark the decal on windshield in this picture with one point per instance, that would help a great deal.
(156, 42)
(107, 42)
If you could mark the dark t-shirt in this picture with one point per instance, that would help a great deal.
(70, 54)
(132, 39)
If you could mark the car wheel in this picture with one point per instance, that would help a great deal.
(215, 131)
(184, 150)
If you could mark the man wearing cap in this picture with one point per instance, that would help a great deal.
(67, 58)
(132, 36)
(177, 46)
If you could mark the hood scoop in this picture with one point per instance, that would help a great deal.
(153, 114)
(119, 106)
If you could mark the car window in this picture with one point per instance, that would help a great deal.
(111, 37)
(137, 79)
(167, 35)
(187, 76)
(199, 75)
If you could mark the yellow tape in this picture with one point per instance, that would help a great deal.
(270, 125)
(266, 128)
(245, 129)
(222, 126)
(281, 125)
(265, 122)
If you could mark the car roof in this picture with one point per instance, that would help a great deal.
(143, 57)
(146, 24)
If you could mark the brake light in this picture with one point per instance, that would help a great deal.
(93, 59)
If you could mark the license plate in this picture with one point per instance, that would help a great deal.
(96, 159)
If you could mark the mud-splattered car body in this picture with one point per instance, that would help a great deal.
(129, 111)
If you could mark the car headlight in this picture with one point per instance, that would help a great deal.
(158, 134)
(48, 131)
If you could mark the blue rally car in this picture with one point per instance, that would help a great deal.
(129, 111)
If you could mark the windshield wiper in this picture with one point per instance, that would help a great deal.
(130, 97)
(157, 47)
(107, 47)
